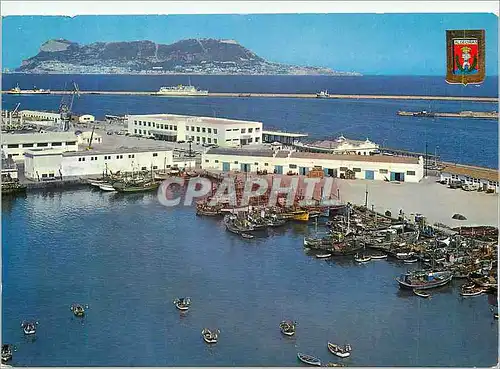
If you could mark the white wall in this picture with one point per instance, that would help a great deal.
(259, 163)
(16, 145)
(40, 166)
(476, 182)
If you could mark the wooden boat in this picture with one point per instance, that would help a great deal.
(340, 351)
(96, 182)
(137, 187)
(362, 258)
(308, 359)
(471, 290)
(323, 256)
(378, 257)
(410, 261)
(210, 336)
(78, 310)
(7, 351)
(29, 328)
(404, 255)
(336, 365)
(422, 293)
(182, 303)
(107, 187)
(12, 187)
(300, 215)
(247, 236)
(424, 280)
(288, 327)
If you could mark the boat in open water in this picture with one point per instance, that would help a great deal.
(378, 257)
(309, 359)
(29, 328)
(182, 303)
(362, 258)
(287, 327)
(323, 256)
(7, 351)
(422, 280)
(422, 294)
(78, 310)
(210, 336)
(340, 351)
(471, 289)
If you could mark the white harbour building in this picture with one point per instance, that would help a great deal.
(53, 163)
(475, 177)
(14, 145)
(342, 146)
(200, 130)
(370, 167)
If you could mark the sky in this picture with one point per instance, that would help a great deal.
(372, 44)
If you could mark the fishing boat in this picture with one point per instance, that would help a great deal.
(362, 258)
(29, 327)
(78, 310)
(300, 215)
(424, 280)
(288, 327)
(404, 255)
(335, 365)
(96, 182)
(469, 290)
(340, 351)
(323, 256)
(308, 359)
(182, 303)
(410, 261)
(247, 236)
(136, 187)
(210, 336)
(378, 257)
(7, 350)
(107, 187)
(422, 293)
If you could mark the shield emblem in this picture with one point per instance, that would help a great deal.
(465, 56)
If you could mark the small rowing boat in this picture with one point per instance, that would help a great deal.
(308, 359)
(210, 336)
(422, 293)
(340, 351)
(247, 236)
(78, 310)
(410, 261)
(362, 258)
(287, 327)
(378, 257)
(29, 327)
(7, 350)
(107, 187)
(471, 290)
(182, 303)
(323, 256)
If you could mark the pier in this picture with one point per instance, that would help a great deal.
(462, 114)
(270, 95)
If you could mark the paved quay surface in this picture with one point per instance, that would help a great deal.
(280, 95)
(433, 200)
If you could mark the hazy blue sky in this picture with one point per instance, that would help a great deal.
(401, 44)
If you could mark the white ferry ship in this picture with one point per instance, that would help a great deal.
(17, 90)
(181, 90)
(323, 94)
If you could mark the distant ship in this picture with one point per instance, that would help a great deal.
(323, 94)
(181, 90)
(17, 90)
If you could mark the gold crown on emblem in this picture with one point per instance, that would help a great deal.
(466, 49)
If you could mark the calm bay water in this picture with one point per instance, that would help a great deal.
(128, 257)
(466, 141)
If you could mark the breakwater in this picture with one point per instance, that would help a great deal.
(273, 95)
(462, 114)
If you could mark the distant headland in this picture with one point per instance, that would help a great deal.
(190, 56)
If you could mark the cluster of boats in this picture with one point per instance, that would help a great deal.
(7, 352)
(116, 183)
(342, 351)
(209, 335)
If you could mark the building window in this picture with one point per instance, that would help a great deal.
(243, 130)
(203, 139)
(343, 169)
(140, 123)
(144, 168)
(71, 143)
(356, 170)
(135, 130)
(410, 172)
(56, 143)
(209, 140)
(209, 130)
(14, 146)
(257, 129)
(216, 161)
(215, 130)
(255, 163)
(383, 171)
(155, 154)
(149, 124)
(203, 130)
(131, 156)
(135, 122)
(228, 140)
(266, 164)
(235, 162)
(51, 175)
(154, 125)
(44, 175)
(228, 130)
(257, 139)
(197, 129)
(215, 140)
(197, 139)
(27, 145)
(192, 128)
(175, 128)
(207, 161)
(292, 166)
(250, 130)
(155, 167)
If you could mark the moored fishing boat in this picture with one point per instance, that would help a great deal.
(410, 260)
(136, 187)
(210, 336)
(7, 350)
(182, 303)
(340, 351)
(379, 257)
(29, 328)
(300, 215)
(362, 258)
(421, 293)
(107, 187)
(287, 327)
(424, 280)
(247, 236)
(469, 290)
(308, 359)
(404, 255)
(323, 256)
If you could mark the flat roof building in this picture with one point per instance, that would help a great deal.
(14, 145)
(371, 167)
(476, 177)
(201, 130)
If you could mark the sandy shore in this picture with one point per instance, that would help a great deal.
(435, 201)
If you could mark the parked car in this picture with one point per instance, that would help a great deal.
(109, 133)
(181, 142)
(455, 184)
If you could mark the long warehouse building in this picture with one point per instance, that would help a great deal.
(370, 167)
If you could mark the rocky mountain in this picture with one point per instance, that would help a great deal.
(191, 56)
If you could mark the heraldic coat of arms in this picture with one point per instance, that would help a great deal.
(465, 56)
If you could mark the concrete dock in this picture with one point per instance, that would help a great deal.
(276, 95)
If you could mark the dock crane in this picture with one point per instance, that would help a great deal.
(66, 107)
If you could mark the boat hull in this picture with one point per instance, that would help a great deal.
(425, 286)
(310, 360)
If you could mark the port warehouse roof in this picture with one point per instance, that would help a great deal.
(473, 172)
(19, 138)
(119, 150)
(191, 119)
(314, 156)
(284, 134)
